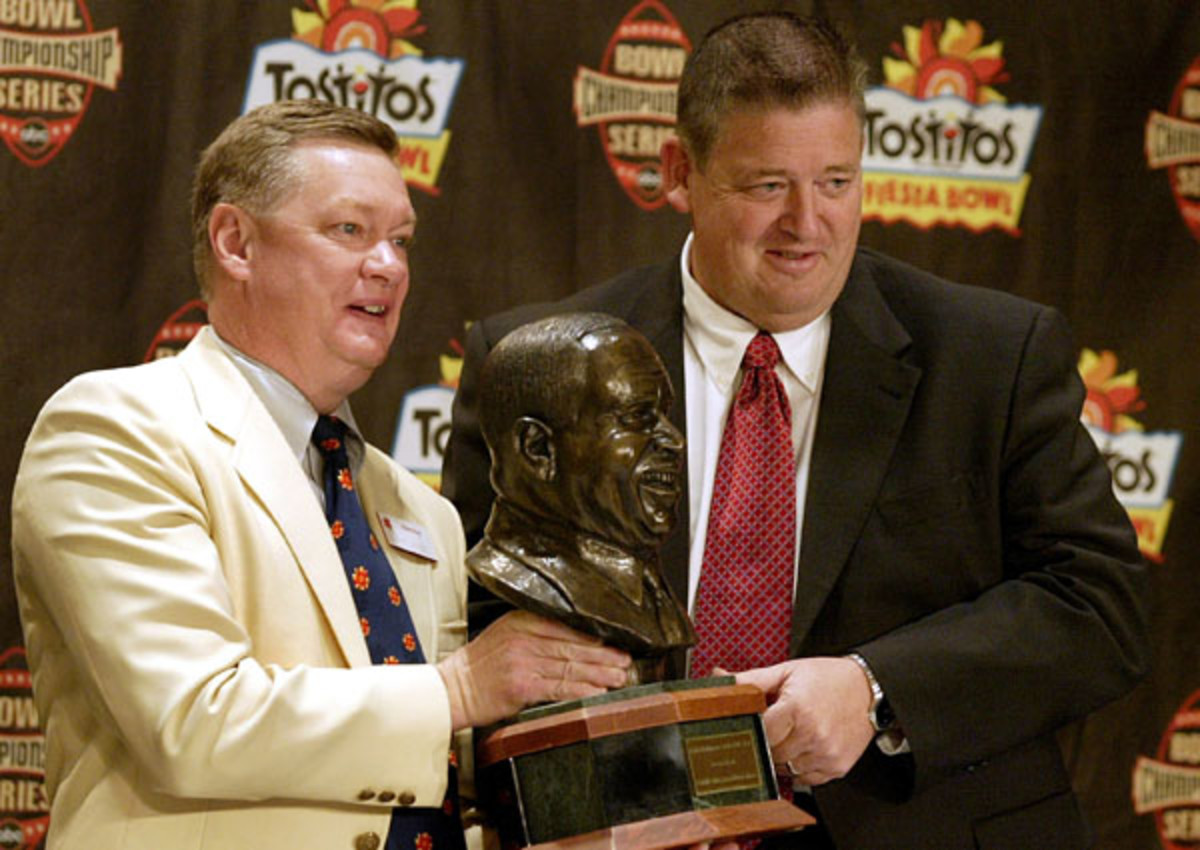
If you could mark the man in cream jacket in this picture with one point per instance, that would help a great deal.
(199, 664)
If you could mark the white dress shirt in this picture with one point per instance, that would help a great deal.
(714, 341)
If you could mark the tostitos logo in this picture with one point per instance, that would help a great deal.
(424, 424)
(1168, 786)
(631, 98)
(357, 53)
(1142, 462)
(51, 59)
(1173, 143)
(942, 145)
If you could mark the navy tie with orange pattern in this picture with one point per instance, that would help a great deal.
(386, 623)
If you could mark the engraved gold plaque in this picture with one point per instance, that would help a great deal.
(722, 763)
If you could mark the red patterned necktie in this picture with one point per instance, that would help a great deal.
(743, 611)
(386, 624)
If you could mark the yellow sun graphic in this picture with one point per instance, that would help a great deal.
(950, 58)
(1110, 397)
(451, 364)
(377, 25)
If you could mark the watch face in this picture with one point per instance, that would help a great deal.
(882, 717)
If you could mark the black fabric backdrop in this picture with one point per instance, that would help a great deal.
(95, 249)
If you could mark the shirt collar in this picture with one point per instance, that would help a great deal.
(720, 336)
(292, 412)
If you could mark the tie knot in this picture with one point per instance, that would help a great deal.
(761, 353)
(329, 434)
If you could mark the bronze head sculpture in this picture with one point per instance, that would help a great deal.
(586, 469)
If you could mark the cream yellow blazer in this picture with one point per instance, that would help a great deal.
(197, 660)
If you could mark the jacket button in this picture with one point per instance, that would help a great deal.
(366, 794)
(406, 798)
(386, 796)
(367, 841)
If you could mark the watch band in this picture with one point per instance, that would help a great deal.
(880, 712)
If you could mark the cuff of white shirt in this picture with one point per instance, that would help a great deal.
(892, 742)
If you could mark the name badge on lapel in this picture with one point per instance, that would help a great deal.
(408, 537)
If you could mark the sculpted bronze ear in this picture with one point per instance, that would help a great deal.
(535, 445)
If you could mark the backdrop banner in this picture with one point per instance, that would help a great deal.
(1051, 150)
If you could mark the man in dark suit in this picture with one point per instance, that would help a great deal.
(964, 581)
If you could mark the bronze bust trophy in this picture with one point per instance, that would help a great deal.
(585, 465)
(586, 468)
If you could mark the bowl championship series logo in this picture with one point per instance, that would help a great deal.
(51, 59)
(943, 147)
(1173, 143)
(631, 99)
(1168, 786)
(24, 807)
(357, 53)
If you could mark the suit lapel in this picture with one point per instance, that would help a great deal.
(865, 400)
(272, 475)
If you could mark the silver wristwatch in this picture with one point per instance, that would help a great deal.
(882, 718)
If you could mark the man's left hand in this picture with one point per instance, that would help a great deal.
(816, 720)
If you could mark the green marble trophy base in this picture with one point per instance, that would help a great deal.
(656, 766)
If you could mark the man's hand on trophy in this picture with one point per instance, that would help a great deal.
(817, 715)
(522, 659)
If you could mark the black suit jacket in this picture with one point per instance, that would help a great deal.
(960, 533)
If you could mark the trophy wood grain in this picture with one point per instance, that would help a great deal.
(614, 718)
(687, 828)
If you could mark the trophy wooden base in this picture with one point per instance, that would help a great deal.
(658, 766)
(688, 828)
